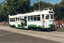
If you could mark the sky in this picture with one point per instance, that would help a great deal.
(50, 1)
(1, 0)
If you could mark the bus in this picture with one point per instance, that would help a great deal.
(41, 19)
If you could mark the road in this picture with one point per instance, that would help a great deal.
(11, 37)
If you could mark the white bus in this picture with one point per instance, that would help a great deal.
(43, 19)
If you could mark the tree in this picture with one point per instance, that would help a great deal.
(3, 13)
(42, 5)
(62, 2)
(0, 11)
(12, 7)
(21, 6)
(59, 11)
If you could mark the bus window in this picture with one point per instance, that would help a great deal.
(31, 18)
(34, 18)
(42, 16)
(25, 21)
(52, 17)
(47, 17)
(38, 17)
(50, 11)
(16, 19)
(12, 19)
(25, 18)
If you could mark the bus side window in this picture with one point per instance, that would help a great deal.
(25, 21)
(38, 17)
(12, 19)
(16, 19)
(34, 18)
(47, 17)
(42, 16)
(52, 17)
(29, 18)
(25, 18)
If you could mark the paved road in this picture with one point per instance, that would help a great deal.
(10, 37)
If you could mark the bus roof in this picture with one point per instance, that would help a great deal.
(32, 13)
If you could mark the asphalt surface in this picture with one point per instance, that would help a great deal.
(10, 37)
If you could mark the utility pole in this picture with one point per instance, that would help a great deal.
(39, 5)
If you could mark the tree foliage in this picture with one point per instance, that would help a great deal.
(59, 11)
(62, 2)
(42, 5)
(21, 6)
(12, 7)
